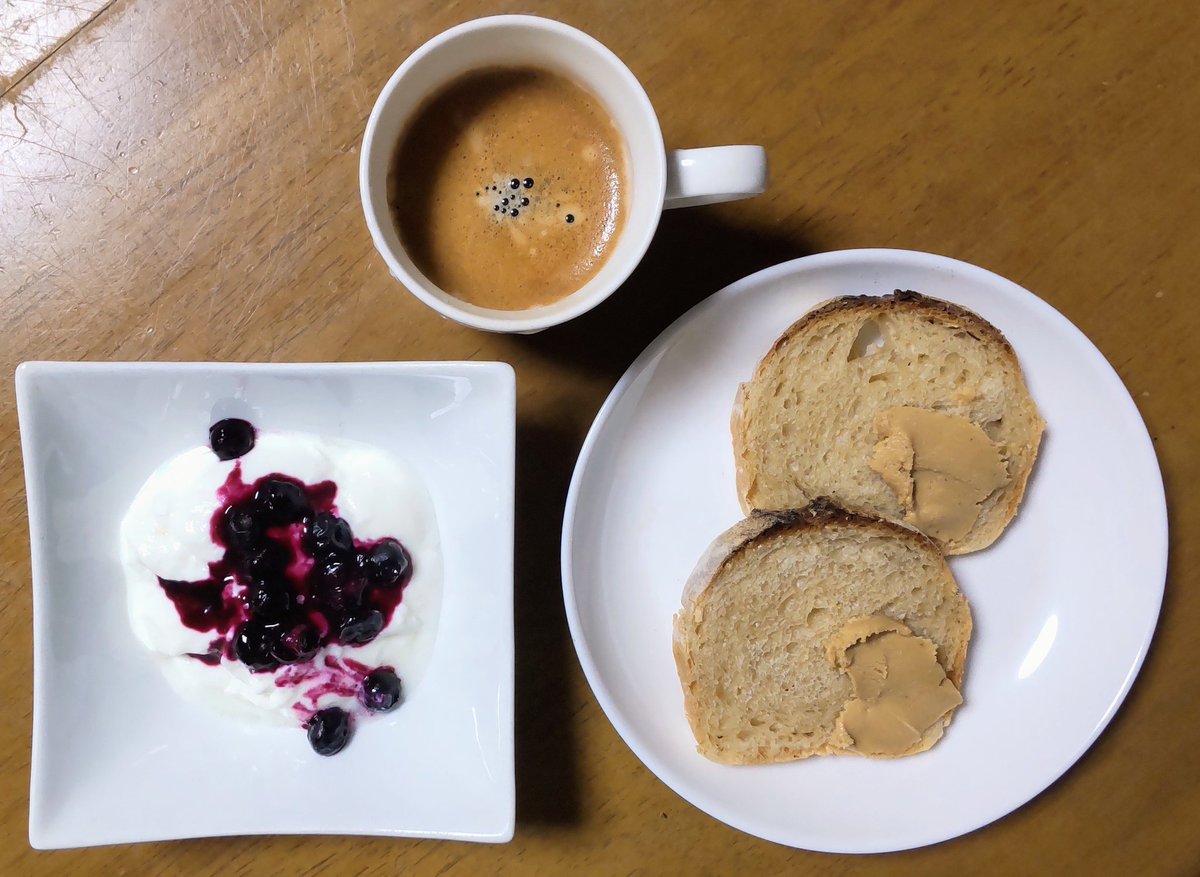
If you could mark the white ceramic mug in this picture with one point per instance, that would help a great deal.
(657, 179)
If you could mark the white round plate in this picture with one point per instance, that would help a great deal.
(1064, 603)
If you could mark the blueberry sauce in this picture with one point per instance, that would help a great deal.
(292, 580)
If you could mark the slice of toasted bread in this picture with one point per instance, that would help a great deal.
(759, 611)
(807, 424)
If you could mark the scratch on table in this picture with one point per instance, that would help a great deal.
(137, 73)
(94, 99)
(66, 155)
(17, 119)
(50, 120)
(350, 44)
(212, 304)
(232, 7)
(184, 252)
(251, 306)
(312, 79)
(219, 261)
(158, 306)
(79, 91)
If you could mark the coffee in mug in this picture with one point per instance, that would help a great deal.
(529, 281)
(507, 187)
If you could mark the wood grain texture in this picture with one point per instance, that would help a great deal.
(179, 181)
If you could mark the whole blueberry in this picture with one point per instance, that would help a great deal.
(295, 644)
(252, 646)
(337, 585)
(361, 626)
(329, 731)
(240, 528)
(267, 560)
(328, 531)
(281, 502)
(231, 438)
(381, 690)
(334, 570)
(333, 600)
(269, 599)
(386, 563)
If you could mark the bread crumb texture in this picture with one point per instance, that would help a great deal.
(806, 424)
(750, 638)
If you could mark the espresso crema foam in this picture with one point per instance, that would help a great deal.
(508, 187)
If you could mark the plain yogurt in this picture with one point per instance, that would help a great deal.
(167, 533)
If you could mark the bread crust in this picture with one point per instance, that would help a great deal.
(909, 301)
(900, 300)
(764, 525)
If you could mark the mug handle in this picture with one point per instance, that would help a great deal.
(714, 174)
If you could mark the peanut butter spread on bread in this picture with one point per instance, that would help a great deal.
(940, 466)
(900, 689)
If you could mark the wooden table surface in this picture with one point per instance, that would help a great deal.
(178, 181)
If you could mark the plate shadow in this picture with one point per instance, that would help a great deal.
(694, 254)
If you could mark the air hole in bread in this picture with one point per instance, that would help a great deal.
(869, 340)
(881, 376)
(993, 427)
(815, 614)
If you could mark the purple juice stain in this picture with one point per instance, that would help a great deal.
(206, 604)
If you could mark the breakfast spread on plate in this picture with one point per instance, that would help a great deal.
(285, 577)
(878, 435)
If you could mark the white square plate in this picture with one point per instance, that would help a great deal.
(118, 756)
